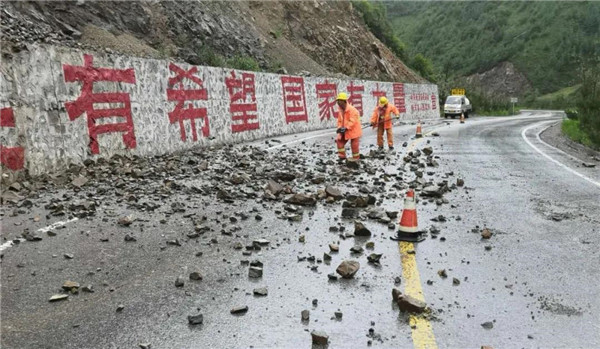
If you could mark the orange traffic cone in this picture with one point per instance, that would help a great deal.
(419, 131)
(462, 118)
(408, 230)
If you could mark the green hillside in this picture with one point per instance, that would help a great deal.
(542, 39)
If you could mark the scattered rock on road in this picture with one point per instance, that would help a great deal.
(29, 236)
(347, 269)
(305, 315)
(239, 310)
(360, 229)
(70, 286)
(58, 297)
(255, 272)
(273, 187)
(374, 258)
(195, 275)
(334, 192)
(488, 325)
(80, 181)
(410, 304)
(125, 221)
(195, 319)
(301, 199)
(319, 338)
(486, 233)
(262, 291)
(179, 282)
(130, 238)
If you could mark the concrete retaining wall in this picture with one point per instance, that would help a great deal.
(61, 106)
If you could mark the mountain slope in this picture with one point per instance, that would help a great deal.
(541, 39)
(318, 37)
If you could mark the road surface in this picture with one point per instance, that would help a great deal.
(533, 284)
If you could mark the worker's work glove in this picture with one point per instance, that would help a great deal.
(373, 124)
(343, 130)
(339, 130)
(397, 116)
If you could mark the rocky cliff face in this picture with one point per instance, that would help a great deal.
(305, 37)
(504, 80)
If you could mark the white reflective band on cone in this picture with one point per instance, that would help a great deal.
(407, 229)
(409, 204)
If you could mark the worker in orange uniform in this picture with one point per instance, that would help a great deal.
(349, 128)
(382, 119)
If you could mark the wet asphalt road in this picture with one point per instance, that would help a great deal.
(538, 283)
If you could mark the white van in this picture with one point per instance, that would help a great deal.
(457, 104)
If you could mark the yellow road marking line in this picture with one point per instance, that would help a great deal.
(422, 331)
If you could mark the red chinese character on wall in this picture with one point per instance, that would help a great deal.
(326, 94)
(177, 92)
(377, 93)
(242, 102)
(11, 157)
(399, 101)
(294, 101)
(355, 98)
(88, 100)
(433, 102)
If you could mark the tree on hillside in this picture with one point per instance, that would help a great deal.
(375, 17)
(423, 66)
(588, 104)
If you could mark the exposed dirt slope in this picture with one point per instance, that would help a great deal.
(504, 80)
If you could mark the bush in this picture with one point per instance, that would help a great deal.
(243, 63)
(375, 17)
(571, 113)
(572, 129)
(588, 104)
(208, 56)
(423, 66)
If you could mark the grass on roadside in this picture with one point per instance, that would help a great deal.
(565, 93)
(571, 129)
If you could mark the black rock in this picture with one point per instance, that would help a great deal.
(488, 325)
(195, 319)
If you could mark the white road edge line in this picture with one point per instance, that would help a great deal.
(299, 140)
(7, 244)
(523, 135)
(311, 137)
(54, 225)
(553, 147)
